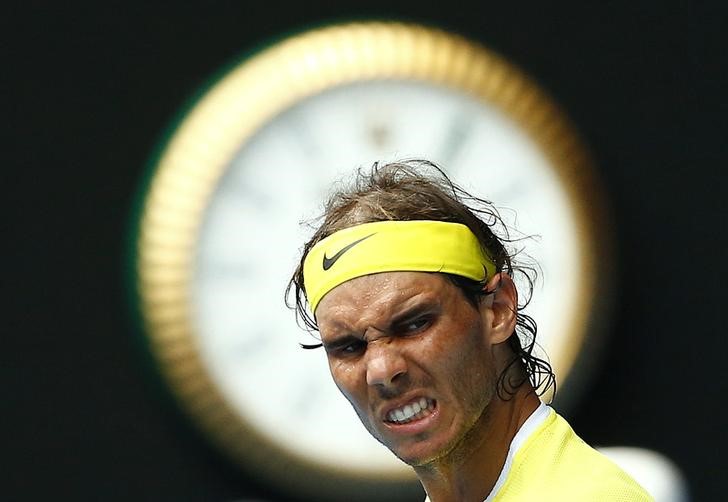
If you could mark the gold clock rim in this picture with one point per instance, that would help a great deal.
(252, 93)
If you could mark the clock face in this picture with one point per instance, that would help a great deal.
(251, 235)
(220, 232)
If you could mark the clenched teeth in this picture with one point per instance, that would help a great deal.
(412, 411)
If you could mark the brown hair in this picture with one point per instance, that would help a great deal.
(420, 190)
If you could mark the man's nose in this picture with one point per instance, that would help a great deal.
(385, 363)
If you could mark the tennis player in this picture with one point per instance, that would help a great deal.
(410, 284)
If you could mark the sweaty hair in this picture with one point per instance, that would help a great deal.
(420, 190)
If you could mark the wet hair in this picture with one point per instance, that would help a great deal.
(420, 190)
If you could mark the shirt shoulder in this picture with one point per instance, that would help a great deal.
(554, 464)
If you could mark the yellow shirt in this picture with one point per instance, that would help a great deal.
(548, 462)
(554, 464)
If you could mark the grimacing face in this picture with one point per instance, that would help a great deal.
(416, 360)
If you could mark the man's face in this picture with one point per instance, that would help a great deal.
(413, 357)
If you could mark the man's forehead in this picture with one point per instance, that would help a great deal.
(386, 286)
(380, 296)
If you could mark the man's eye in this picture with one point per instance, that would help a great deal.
(415, 325)
(352, 348)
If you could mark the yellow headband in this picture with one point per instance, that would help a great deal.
(390, 246)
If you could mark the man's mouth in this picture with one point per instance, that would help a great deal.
(416, 410)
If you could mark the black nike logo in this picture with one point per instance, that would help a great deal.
(329, 262)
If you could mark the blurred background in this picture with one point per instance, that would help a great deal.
(91, 91)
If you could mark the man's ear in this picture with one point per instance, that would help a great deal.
(503, 303)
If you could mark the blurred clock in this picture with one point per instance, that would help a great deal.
(219, 233)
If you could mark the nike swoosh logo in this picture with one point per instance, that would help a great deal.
(329, 262)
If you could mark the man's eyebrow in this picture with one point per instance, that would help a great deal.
(341, 341)
(424, 307)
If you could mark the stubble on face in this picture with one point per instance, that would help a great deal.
(449, 360)
(478, 393)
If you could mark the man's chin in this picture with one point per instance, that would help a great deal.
(427, 452)
(419, 455)
(413, 452)
(417, 461)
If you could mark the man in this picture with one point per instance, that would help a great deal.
(413, 296)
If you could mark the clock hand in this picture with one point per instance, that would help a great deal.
(458, 133)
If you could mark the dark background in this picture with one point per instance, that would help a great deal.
(91, 90)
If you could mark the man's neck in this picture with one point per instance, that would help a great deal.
(469, 473)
